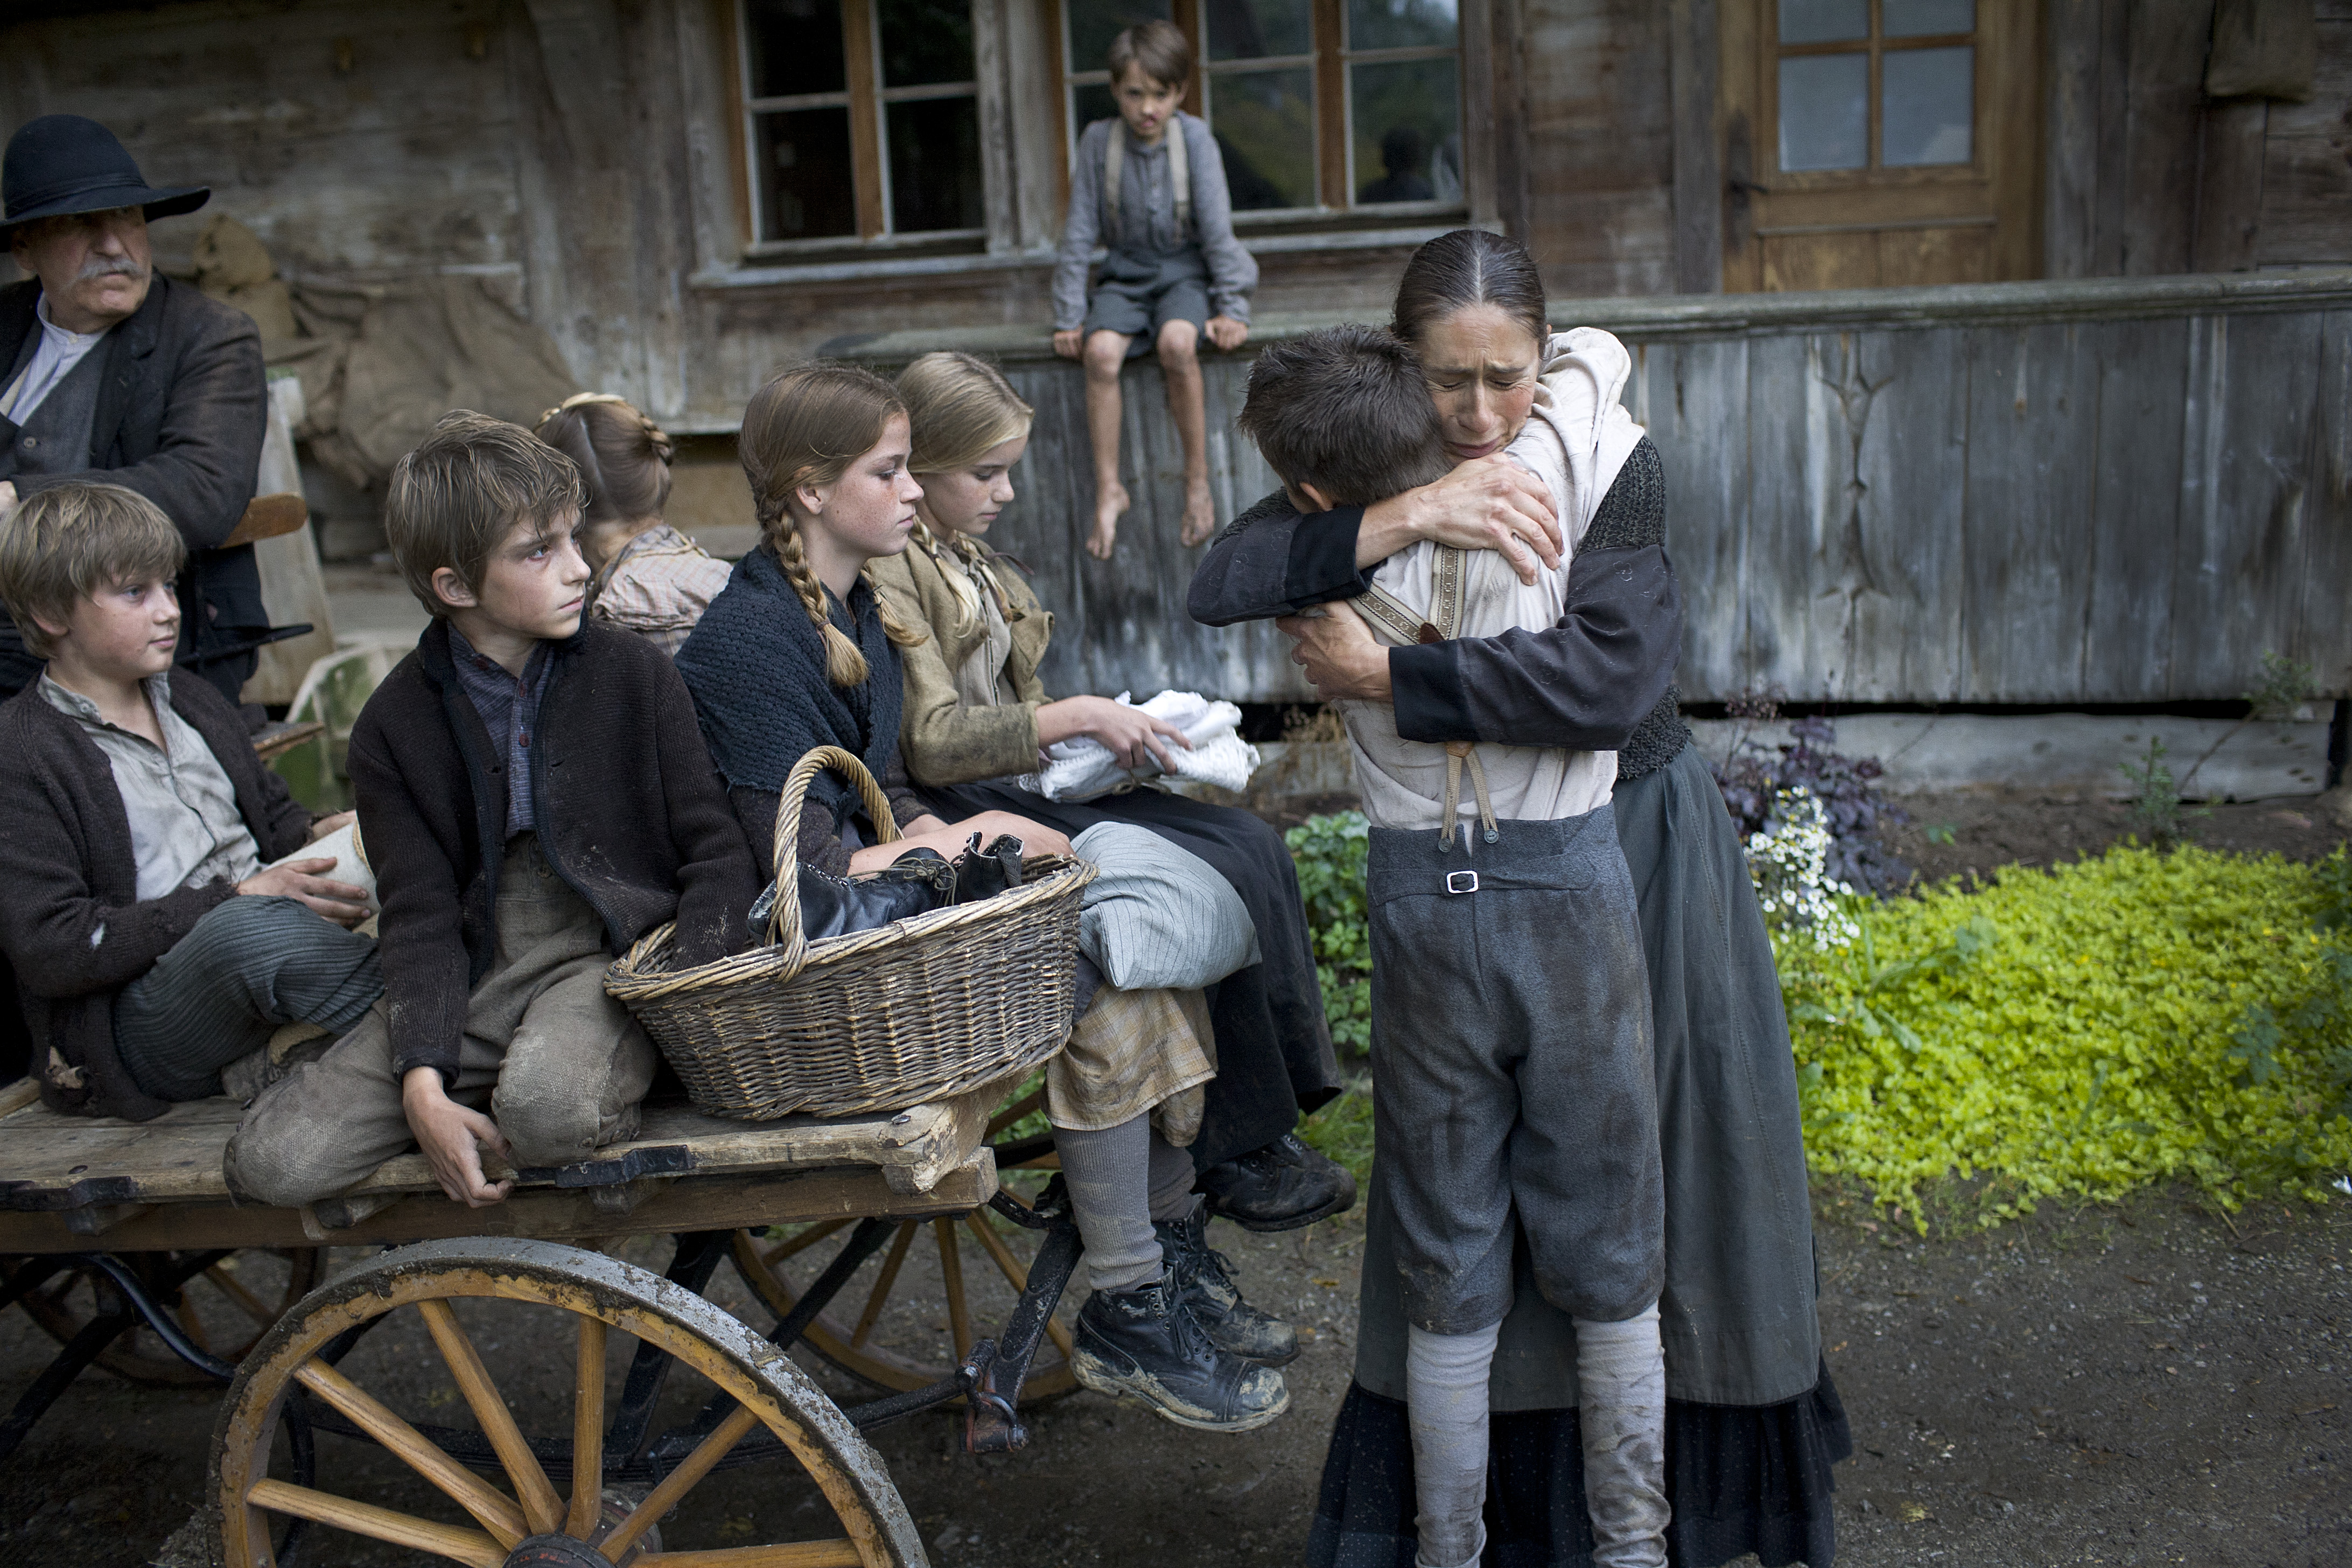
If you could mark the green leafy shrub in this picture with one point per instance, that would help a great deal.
(2135, 1018)
(1329, 852)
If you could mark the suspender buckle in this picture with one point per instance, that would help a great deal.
(1462, 882)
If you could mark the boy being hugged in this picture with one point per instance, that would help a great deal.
(1149, 187)
(152, 948)
(536, 797)
(1511, 1058)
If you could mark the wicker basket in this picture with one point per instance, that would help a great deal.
(875, 1020)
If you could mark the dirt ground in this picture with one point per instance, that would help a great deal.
(1976, 831)
(2140, 1384)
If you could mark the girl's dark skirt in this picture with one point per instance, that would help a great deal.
(1274, 1048)
(1753, 1424)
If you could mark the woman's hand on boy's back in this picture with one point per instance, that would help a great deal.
(453, 1139)
(1228, 333)
(1486, 503)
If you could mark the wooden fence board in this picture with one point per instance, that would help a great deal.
(2136, 456)
(1909, 592)
(1692, 397)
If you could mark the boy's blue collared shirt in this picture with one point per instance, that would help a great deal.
(509, 711)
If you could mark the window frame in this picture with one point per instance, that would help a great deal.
(1875, 47)
(868, 101)
(1331, 63)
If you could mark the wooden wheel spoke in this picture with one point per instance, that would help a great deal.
(540, 1508)
(247, 1301)
(1014, 1271)
(496, 1510)
(879, 1297)
(1015, 1111)
(952, 1274)
(841, 1553)
(680, 1481)
(804, 1240)
(458, 1546)
(587, 1430)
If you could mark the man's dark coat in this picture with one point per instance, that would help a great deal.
(180, 420)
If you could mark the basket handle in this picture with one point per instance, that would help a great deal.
(784, 915)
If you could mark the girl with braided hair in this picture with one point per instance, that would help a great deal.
(649, 578)
(796, 652)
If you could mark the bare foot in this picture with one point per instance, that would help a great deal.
(1200, 515)
(1110, 505)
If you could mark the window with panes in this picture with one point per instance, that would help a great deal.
(1869, 85)
(861, 120)
(1315, 105)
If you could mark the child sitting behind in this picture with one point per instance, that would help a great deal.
(152, 949)
(1174, 273)
(536, 797)
(649, 578)
(1511, 1061)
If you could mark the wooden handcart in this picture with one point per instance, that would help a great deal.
(126, 1246)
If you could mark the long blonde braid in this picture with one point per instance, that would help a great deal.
(806, 427)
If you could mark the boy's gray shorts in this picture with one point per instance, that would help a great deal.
(1511, 1072)
(1135, 296)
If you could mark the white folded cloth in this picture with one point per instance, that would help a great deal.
(349, 855)
(1084, 768)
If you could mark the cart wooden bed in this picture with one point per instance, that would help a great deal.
(106, 1223)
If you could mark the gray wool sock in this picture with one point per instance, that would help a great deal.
(1109, 1174)
(1446, 1410)
(1621, 1379)
(1172, 1181)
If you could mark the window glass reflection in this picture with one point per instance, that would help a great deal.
(793, 47)
(1265, 123)
(802, 167)
(1929, 105)
(925, 41)
(1825, 111)
(1823, 21)
(1408, 132)
(1259, 29)
(935, 166)
(1926, 18)
(1402, 24)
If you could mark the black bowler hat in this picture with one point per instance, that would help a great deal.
(63, 163)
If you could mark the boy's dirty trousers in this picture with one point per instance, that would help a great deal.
(558, 1064)
(1511, 1064)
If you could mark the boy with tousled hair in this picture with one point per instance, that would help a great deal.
(1511, 1058)
(1148, 185)
(133, 814)
(536, 797)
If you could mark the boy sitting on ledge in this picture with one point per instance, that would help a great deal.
(536, 797)
(135, 816)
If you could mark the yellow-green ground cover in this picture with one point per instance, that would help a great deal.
(2133, 1019)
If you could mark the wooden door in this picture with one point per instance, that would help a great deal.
(1873, 144)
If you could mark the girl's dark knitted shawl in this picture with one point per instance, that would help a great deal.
(755, 665)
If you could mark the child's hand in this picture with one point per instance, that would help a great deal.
(453, 1139)
(334, 823)
(299, 880)
(1071, 344)
(1227, 333)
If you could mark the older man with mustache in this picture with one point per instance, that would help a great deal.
(117, 375)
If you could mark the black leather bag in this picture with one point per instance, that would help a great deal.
(917, 882)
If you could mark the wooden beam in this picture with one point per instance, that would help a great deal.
(2229, 186)
(1330, 106)
(1697, 155)
(2071, 152)
(860, 46)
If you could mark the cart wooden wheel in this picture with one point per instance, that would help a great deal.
(224, 1308)
(571, 1297)
(781, 1261)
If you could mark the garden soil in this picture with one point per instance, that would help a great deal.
(2141, 1382)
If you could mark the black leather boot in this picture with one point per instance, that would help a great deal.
(1282, 1186)
(1204, 1279)
(1145, 1344)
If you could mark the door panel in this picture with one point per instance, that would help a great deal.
(1878, 143)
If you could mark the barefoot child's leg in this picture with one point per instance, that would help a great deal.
(1180, 359)
(1105, 353)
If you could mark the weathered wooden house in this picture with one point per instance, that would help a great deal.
(2000, 349)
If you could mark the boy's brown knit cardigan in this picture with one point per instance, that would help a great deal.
(629, 810)
(72, 921)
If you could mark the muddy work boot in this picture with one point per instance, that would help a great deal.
(1282, 1186)
(1145, 1344)
(1204, 1281)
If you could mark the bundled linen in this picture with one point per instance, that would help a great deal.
(1084, 768)
(1157, 916)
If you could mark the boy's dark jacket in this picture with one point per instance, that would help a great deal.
(72, 921)
(629, 812)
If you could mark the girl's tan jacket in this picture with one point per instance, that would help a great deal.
(942, 740)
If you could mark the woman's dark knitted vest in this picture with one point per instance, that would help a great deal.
(1632, 516)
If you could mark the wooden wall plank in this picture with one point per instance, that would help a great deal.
(2306, 218)
(2245, 515)
(1907, 564)
(1698, 156)
(2114, 122)
(2326, 578)
(2032, 411)
(2229, 187)
(2071, 147)
(2167, 70)
(1800, 479)
(1693, 398)
(1600, 133)
(2136, 458)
